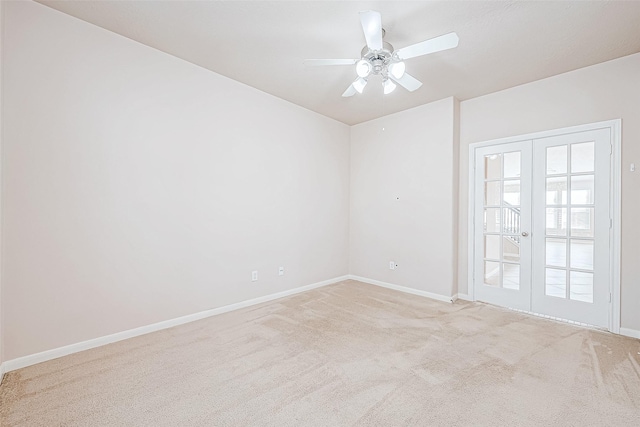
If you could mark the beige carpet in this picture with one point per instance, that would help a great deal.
(346, 354)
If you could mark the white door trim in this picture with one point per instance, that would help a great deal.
(616, 216)
(615, 127)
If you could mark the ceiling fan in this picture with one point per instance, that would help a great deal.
(379, 58)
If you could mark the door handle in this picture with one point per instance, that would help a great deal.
(525, 234)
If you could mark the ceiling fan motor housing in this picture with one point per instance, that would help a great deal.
(379, 59)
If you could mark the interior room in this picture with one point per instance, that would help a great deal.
(319, 213)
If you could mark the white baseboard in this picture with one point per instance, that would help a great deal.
(1, 372)
(22, 362)
(402, 289)
(633, 333)
(464, 297)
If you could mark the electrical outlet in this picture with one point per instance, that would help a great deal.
(254, 276)
(392, 265)
(281, 271)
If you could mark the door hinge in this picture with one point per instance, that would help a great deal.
(610, 222)
(609, 296)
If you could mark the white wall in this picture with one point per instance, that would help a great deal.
(605, 91)
(139, 187)
(403, 198)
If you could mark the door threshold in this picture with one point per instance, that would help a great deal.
(559, 319)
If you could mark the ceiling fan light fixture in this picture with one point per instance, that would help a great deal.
(363, 68)
(397, 69)
(388, 86)
(359, 84)
(379, 58)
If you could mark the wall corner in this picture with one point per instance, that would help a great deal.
(456, 190)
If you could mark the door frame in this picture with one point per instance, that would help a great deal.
(615, 214)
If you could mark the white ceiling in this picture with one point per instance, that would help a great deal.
(263, 43)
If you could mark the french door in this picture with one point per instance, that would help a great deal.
(503, 224)
(542, 224)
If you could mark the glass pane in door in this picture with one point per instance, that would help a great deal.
(492, 166)
(511, 195)
(556, 283)
(510, 248)
(556, 221)
(492, 273)
(582, 254)
(492, 193)
(582, 189)
(557, 190)
(511, 276)
(511, 220)
(512, 165)
(557, 160)
(492, 246)
(492, 220)
(556, 252)
(581, 286)
(583, 157)
(582, 222)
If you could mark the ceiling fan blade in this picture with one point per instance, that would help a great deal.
(349, 92)
(372, 27)
(320, 62)
(407, 81)
(436, 44)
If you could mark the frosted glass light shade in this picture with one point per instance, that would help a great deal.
(397, 69)
(388, 86)
(363, 68)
